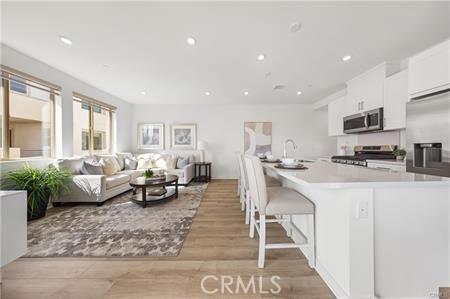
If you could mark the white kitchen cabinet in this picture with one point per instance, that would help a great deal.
(395, 98)
(336, 110)
(365, 92)
(429, 70)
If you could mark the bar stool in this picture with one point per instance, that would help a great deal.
(244, 193)
(277, 201)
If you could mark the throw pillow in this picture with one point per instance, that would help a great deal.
(121, 159)
(130, 163)
(92, 168)
(182, 162)
(110, 165)
(145, 164)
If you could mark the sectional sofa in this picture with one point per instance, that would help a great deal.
(98, 188)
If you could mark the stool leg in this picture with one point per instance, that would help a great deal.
(252, 220)
(262, 240)
(247, 207)
(239, 186)
(242, 199)
(312, 240)
(289, 228)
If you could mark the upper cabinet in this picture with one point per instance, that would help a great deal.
(394, 101)
(366, 91)
(428, 71)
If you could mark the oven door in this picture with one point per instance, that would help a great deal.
(363, 122)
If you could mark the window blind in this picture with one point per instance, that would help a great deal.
(14, 75)
(90, 101)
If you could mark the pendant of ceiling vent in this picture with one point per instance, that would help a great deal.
(278, 87)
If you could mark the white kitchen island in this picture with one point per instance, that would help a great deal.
(379, 233)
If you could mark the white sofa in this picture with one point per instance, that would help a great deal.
(99, 188)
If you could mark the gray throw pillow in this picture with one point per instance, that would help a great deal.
(182, 162)
(130, 163)
(92, 168)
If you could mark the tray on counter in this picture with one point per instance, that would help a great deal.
(295, 167)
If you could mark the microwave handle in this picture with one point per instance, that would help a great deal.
(366, 120)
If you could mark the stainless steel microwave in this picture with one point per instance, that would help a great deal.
(364, 122)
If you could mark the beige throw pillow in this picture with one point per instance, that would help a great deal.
(110, 165)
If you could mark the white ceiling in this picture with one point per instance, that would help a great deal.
(144, 45)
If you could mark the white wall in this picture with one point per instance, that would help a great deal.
(17, 60)
(222, 126)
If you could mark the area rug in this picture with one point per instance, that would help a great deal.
(118, 228)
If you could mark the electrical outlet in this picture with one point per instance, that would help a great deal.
(363, 210)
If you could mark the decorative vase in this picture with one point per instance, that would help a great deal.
(400, 158)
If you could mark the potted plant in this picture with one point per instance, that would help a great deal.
(400, 154)
(148, 173)
(40, 184)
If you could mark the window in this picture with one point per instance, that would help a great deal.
(27, 115)
(92, 126)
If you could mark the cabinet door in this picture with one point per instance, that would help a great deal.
(429, 70)
(335, 117)
(366, 91)
(395, 98)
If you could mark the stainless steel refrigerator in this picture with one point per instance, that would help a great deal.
(428, 135)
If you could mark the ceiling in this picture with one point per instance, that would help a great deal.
(125, 48)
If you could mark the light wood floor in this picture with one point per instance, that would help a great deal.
(217, 244)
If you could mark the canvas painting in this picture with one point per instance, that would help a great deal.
(184, 136)
(151, 136)
(257, 137)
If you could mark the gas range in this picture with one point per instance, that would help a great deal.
(366, 152)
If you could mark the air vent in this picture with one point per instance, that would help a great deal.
(278, 87)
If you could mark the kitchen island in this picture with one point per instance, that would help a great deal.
(379, 233)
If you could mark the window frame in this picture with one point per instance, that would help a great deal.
(93, 103)
(9, 74)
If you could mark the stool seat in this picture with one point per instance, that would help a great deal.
(285, 201)
(272, 182)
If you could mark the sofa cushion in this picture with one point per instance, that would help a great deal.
(116, 180)
(165, 161)
(73, 165)
(182, 162)
(130, 163)
(132, 173)
(92, 168)
(121, 159)
(145, 163)
(110, 165)
(177, 172)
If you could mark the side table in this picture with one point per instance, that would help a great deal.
(204, 176)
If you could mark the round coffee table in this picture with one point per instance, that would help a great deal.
(158, 192)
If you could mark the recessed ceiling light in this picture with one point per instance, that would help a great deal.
(65, 40)
(191, 41)
(295, 27)
(207, 93)
(261, 57)
(268, 74)
(278, 87)
(246, 93)
(143, 93)
(346, 58)
(299, 92)
(106, 66)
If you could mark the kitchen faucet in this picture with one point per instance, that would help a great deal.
(284, 146)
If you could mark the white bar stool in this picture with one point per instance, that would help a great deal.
(277, 201)
(244, 193)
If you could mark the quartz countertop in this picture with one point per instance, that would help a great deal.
(335, 175)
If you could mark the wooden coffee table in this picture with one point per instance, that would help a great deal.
(158, 191)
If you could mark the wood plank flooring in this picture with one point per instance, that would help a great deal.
(217, 245)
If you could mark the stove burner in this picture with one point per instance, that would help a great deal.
(364, 153)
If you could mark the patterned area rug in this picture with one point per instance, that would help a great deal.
(118, 228)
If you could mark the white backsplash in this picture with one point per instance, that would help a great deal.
(396, 137)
